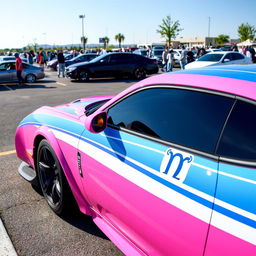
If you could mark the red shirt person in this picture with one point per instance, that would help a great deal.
(18, 67)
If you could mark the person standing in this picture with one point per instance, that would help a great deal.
(170, 60)
(61, 61)
(252, 51)
(30, 57)
(183, 57)
(18, 67)
(164, 59)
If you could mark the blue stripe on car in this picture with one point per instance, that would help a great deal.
(76, 129)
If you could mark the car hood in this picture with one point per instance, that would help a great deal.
(77, 107)
(200, 64)
(79, 64)
(52, 61)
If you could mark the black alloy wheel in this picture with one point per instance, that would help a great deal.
(139, 73)
(83, 76)
(53, 182)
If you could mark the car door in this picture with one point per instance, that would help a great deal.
(239, 58)
(233, 223)
(152, 173)
(101, 68)
(13, 73)
(5, 72)
(227, 59)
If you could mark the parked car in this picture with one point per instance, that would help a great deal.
(7, 58)
(30, 73)
(81, 58)
(143, 52)
(219, 58)
(166, 167)
(157, 54)
(113, 65)
(177, 55)
(52, 64)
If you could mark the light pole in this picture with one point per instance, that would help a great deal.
(82, 17)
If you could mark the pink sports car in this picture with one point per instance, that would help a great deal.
(167, 167)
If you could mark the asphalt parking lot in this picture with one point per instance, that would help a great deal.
(32, 227)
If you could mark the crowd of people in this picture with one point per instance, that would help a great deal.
(186, 56)
(190, 55)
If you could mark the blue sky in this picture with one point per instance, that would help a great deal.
(56, 21)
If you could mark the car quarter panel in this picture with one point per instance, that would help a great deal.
(129, 181)
(49, 123)
(234, 212)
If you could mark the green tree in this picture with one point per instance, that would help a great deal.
(106, 41)
(246, 31)
(169, 29)
(84, 41)
(120, 38)
(222, 39)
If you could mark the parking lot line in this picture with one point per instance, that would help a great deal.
(61, 83)
(7, 153)
(6, 246)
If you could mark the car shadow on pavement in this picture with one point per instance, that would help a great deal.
(77, 219)
(47, 81)
(32, 86)
(105, 80)
(84, 223)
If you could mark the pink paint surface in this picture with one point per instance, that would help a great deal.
(222, 243)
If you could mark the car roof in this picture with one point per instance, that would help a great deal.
(222, 52)
(14, 61)
(8, 61)
(233, 79)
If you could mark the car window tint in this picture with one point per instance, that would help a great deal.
(114, 59)
(189, 118)
(3, 67)
(12, 66)
(238, 140)
(229, 56)
(237, 56)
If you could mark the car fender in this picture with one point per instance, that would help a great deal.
(46, 133)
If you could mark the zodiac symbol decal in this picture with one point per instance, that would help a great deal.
(176, 164)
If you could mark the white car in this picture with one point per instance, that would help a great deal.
(219, 58)
(176, 56)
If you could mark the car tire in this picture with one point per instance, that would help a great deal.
(83, 76)
(30, 78)
(139, 73)
(52, 180)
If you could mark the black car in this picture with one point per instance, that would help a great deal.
(81, 58)
(113, 65)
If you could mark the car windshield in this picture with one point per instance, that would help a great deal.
(211, 57)
(98, 58)
(158, 52)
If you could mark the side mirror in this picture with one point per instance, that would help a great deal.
(96, 123)
(226, 60)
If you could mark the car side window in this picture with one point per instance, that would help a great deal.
(237, 56)
(229, 56)
(114, 59)
(3, 67)
(189, 118)
(238, 139)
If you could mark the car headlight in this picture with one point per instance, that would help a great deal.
(70, 69)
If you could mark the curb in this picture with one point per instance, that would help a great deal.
(6, 246)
